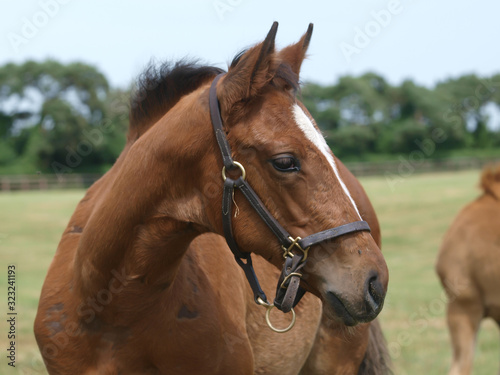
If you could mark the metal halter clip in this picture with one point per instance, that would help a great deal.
(294, 243)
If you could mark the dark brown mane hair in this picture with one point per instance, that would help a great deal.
(160, 87)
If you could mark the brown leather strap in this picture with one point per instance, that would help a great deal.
(265, 215)
(220, 135)
(332, 233)
(244, 260)
(288, 286)
(252, 278)
(227, 208)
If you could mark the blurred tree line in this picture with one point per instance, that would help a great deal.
(58, 117)
(363, 116)
(62, 118)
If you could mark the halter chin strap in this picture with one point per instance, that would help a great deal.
(288, 291)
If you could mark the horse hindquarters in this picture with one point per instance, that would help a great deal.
(468, 269)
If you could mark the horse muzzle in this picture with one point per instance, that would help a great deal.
(353, 309)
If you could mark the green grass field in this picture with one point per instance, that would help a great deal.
(414, 217)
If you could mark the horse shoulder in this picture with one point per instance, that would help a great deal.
(468, 257)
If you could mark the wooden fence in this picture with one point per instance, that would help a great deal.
(47, 181)
(403, 167)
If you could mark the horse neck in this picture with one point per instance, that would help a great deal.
(152, 207)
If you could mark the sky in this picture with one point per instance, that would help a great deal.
(427, 41)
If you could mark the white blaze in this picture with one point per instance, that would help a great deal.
(318, 140)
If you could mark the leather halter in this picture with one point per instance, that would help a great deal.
(288, 292)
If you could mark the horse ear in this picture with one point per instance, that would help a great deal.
(294, 54)
(249, 73)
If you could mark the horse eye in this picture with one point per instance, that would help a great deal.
(286, 164)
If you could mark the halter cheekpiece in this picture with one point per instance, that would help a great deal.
(288, 291)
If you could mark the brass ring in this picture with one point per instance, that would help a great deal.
(268, 321)
(242, 169)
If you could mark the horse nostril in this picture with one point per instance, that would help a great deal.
(374, 295)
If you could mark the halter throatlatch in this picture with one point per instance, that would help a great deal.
(295, 250)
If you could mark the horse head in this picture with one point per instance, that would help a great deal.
(291, 168)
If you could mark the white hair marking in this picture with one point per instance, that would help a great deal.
(311, 132)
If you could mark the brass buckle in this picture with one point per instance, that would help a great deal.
(287, 277)
(295, 243)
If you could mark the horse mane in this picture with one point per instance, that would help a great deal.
(160, 87)
(377, 360)
(490, 180)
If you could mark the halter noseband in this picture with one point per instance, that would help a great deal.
(288, 292)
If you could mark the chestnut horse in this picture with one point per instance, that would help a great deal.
(143, 282)
(468, 266)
